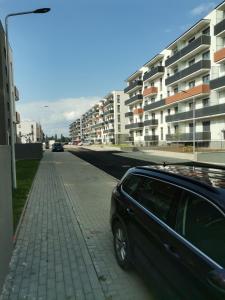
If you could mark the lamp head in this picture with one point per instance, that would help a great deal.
(41, 10)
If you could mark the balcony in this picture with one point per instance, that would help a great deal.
(151, 138)
(198, 44)
(138, 111)
(202, 112)
(134, 99)
(97, 125)
(219, 29)
(154, 105)
(110, 111)
(219, 56)
(152, 122)
(192, 71)
(129, 114)
(130, 139)
(153, 73)
(133, 85)
(202, 89)
(188, 137)
(218, 84)
(152, 90)
(134, 125)
(111, 121)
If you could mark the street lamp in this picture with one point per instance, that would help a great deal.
(193, 117)
(11, 100)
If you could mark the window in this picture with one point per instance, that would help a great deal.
(156, 196)
(175, 70)
(152, 83)
(160, 84)
(118, 98)
(191, 62)
(119, 128)
(176, 109)
(190, 105)
(161, 116)
(175, 90)
(146, 117)
(203, 225)
(205, 79)
(168, 130)
(191, 84)
(206, 31)
(205, 102)
(118, 118)
(153, 116)
(130, 184)
(118, 108)
(146, 131)
(190, 127)
(206, 126)
(152, 100)
(206, 55)
(161, 133)
(168, 111)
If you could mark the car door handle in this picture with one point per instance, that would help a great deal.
(172, 250)
(130, 212)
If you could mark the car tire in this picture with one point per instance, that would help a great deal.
(121, 245)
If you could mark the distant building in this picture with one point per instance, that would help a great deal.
(4, 93)
(30, 132)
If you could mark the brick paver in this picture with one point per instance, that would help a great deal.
(51, 259)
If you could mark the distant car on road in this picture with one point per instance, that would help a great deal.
(57, 147)
(169, 222)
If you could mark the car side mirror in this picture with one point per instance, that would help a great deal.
(217, 279)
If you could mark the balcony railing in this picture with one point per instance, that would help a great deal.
(133, 85)
(134, 125)
(219, 27)
(203, 40)
(199, 136)
(219, 56)
(153, 122)
(152, 90)
(129, 114)
(218, 83)
(202, 64)
(151, 138)
(202, 112)
(138, 111)
(157, 70)
(154, 105)
(133, 99)
(201, 89)
(110, 111)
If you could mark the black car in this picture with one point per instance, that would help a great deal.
(169, 222)
(57, 147)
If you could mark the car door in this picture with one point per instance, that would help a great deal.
(200, 243)
(150, 215)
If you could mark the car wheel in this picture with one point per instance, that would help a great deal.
(121, 246)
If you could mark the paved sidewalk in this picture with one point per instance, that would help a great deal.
(51, 260)
(64, 248)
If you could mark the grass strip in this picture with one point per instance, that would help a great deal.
(25, 171)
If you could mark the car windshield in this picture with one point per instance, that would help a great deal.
(88, 90)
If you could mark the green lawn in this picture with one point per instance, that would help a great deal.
(25, 171)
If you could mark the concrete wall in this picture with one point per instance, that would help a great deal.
(28, 151)
(6, 220)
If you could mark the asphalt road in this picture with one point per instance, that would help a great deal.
(109, 161)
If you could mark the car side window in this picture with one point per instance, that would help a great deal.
(130, 184)
(203, 225)
(156, 196)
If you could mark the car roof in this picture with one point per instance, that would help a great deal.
(209, 182)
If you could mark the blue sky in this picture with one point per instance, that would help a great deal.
(74, 55)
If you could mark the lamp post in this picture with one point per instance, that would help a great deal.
(193, 117)
(11, 100)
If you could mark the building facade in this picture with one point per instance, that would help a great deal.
(30, 132)
(179, 95)
(103, 123)
(5, 87)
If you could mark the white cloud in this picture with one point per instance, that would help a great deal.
(58, 115)
(202, 9)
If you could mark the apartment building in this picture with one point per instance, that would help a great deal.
(104, 122)
(5, 87)
(30, 132)
(182, 89)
